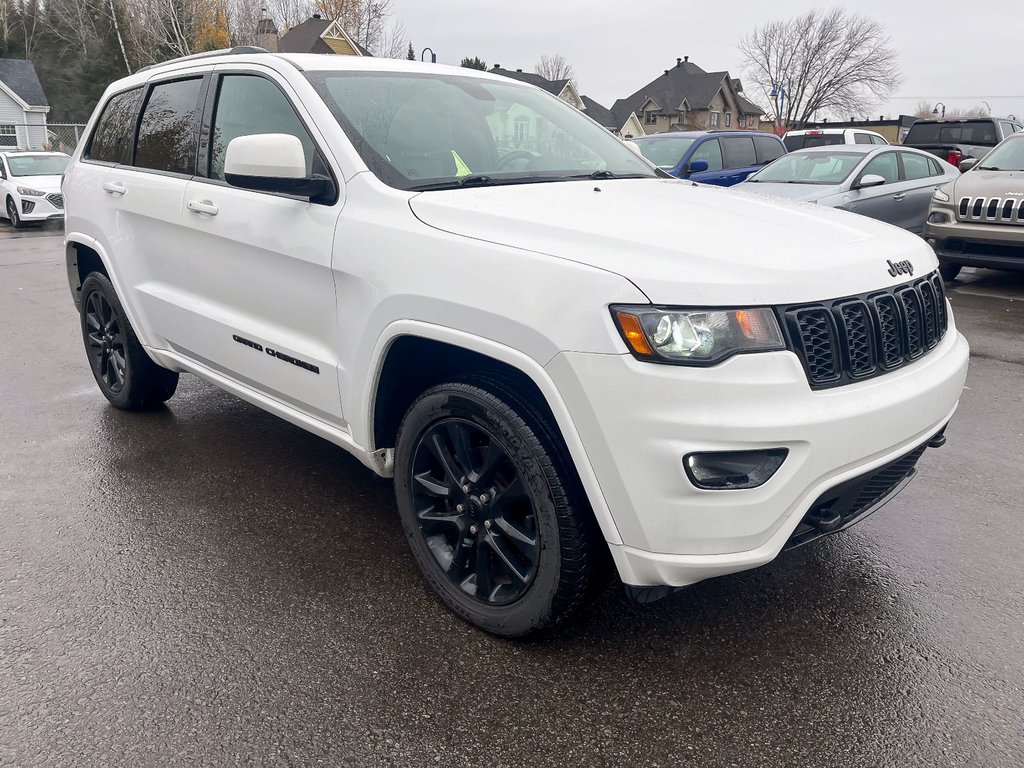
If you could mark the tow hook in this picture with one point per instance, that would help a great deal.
(938, 441)
(824, 520)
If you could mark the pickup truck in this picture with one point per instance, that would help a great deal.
(953, 140)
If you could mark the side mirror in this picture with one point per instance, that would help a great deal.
(871, 180)
(273, 162)
(967, 163)
(697, 166)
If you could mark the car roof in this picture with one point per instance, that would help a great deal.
(856, 149)
(698, 134)
(23, 152)
(805, 131)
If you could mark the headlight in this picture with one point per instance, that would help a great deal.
(940, 197)
(697, 336)
(30, 192)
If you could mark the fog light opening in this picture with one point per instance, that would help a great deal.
(733, 470)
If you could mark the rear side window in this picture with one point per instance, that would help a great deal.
(878, 140)
(709, 151)
(169, 129)
(915, 166)
(936, 168)
(248, 104)
(112, 140)
(739, 152)
(767, 149)
(862, 138)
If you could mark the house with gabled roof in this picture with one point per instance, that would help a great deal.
(624, 123)
(563, 89)
(686, 97)
(315, 35)
(23, 106)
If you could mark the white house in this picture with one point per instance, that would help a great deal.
(23, 106)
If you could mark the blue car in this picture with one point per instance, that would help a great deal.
(723, 158)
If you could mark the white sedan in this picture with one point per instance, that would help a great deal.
(30, 186)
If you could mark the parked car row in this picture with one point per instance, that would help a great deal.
(918, 186)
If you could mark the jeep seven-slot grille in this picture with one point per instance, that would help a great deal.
(858, 337)
(992, 209)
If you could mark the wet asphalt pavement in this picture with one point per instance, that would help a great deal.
(207, 584)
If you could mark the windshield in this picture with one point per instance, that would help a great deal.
(804, 140)
(1008, 156)
(437, 131)
(811, 168)
(664, 153)
(37, 165)
(983, 132)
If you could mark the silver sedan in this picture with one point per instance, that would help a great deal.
(892, 184)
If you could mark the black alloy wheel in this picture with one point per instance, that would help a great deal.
(125, 373)
(105, 342)
(493, 509)
(474, 511)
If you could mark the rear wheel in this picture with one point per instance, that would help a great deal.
(125, 374)
(949, 270)
(13, 215)
(490, 510)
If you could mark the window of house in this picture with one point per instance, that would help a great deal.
(650, 118)
(169, 129)
(728, 119)
(714, 119)
(710, 151)
(739, 152)
(247, 105)
(521, 131)
(112, 140)
(915, 166)
(8, 135)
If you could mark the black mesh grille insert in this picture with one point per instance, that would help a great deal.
(859, 332)
(818, 342)
(859, 337)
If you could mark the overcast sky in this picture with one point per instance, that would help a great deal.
(949, 52)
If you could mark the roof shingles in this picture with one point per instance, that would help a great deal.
(20, 76)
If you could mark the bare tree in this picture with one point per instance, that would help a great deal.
(927, 110)
(824, 61)
(555, 67)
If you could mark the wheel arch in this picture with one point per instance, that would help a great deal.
(412, 356)
(81, 259)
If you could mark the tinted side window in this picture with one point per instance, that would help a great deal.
(862, 138)
(793, 143)
(169, 129)
(247, 105)
(710, 151)
(915, 166)
(884, 165)
(739, 152)
(767, 149)
(112, 140)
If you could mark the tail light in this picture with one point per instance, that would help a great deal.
(954, 158)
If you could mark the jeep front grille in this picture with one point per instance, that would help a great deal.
(995, 210)
(859, 337)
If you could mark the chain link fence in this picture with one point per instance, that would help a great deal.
(55, 137)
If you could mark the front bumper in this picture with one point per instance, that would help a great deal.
(44, 208)
(998, 246)
(639, 419)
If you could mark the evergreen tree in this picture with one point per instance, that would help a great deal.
(411, 56)
(474, 63)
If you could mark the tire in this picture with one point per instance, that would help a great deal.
(474, 547)
(13, 215)
(125, 374)
(949, 270)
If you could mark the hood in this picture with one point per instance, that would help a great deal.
(782, 190)
(48, 184)
(997, 184)
(685, 244)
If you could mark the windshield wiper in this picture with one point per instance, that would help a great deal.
(988, 168)
(477, 180)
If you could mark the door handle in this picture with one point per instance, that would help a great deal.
(114, 187)
(204, 206)
(898, 197)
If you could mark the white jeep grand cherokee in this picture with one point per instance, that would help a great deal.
(557, 352)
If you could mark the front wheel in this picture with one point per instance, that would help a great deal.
(949, 271)
(125, 374)
(490, 508)
(13, 215)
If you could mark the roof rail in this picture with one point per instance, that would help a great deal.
(208, 54)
